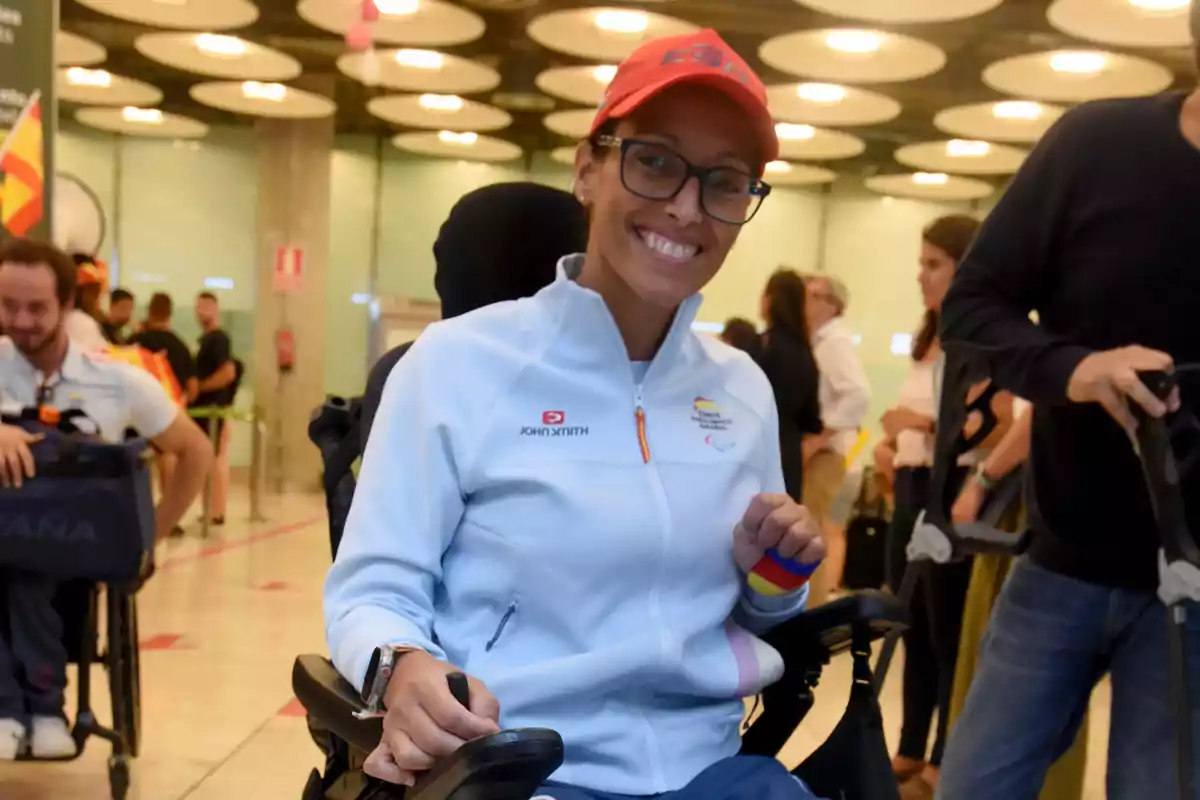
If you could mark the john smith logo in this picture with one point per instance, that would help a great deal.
(709, 416)
(554, 423)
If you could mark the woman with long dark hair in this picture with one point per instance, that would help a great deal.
(931, 643)
(786, 357)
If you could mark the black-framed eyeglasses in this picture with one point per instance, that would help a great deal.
(654, 171)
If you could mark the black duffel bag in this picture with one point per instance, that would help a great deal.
(89, 511)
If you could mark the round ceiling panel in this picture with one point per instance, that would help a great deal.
(422, 23)
(962, 157)
(1007, 121)
(1124, 23)
(564, 155)
(141, 122)
(439, 112)
(604, 34)
(806, 143)
(830, 104)
(785, 173)
(98, 87)
(463, 146)
(196, 15)
(583, 85)
(410, 70)
(892, 11)
(850, 55)
(1076, 76)
(574, 124)
(256, 99)
(930, 186)
(218, 56)
(75, 51)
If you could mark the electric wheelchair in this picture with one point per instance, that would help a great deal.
(852, 764)
(87, 521)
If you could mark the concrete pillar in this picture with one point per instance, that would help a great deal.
(293, 212)
(27, 72)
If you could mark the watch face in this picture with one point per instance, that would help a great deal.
(372, 674)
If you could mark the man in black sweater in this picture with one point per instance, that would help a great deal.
(1099, 233)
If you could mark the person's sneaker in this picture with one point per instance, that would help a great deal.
(12, 737)
(51, 738)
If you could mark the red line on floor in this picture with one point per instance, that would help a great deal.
(235, 544)
(164, 641)
(293, 709)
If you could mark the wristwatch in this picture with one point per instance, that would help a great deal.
(379, 674)
(982, 479)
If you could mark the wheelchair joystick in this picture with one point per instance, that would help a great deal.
(460, 688)
(775, 575)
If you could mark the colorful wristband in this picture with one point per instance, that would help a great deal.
(774, 575)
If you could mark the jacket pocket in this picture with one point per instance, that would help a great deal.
(509, 613)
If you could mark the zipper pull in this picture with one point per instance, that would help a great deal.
(512, 609)
(640, 415)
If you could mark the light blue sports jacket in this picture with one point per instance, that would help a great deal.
(534, 510)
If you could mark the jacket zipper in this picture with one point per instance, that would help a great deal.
(655, 598)
(512, 609)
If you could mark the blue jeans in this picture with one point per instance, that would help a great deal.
(738, 778)
(1051, 638)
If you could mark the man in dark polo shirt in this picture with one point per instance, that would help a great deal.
(157, 336)
(216, 371)
(1100, 234)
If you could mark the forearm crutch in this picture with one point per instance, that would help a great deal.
(935, 539)
(1178, 560)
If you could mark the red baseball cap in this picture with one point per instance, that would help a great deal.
(702, 57)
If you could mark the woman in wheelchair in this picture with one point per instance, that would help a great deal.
(577, 500)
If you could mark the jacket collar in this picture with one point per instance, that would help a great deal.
(584, 321)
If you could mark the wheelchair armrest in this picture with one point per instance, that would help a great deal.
(330, 698)
(823, 632)
(509, 765)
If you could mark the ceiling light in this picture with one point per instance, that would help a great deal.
(853, 41)
(145, 116)
(964, 148)
(420, 59)
(275, 92)
(78, 76)
(1017, 109)
(930, 178)
(1159, 5)
(821, 92)
(219, 45)
(398, 7)
(604, 73)
(1079, 63)
(786, 130)
(617, 21)
(450, 137)
(441, 102)
(778, 166)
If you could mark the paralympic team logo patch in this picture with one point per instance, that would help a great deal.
(714, 422)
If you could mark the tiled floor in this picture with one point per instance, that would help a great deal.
(220, 625)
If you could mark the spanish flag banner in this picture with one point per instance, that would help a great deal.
(154, 363)
(22, 161)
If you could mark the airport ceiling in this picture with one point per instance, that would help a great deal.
(940, 88)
